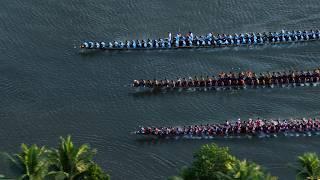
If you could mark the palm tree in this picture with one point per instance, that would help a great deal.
(71, 162)
(32, 162)
(309, 166)
(244, 170)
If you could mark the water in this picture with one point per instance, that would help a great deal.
(49, 90)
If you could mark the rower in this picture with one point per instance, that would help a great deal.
(178, 35)
(209, 36)
(237, 39)
(208, 42)
(156, 44)
(177, 43)
(191, 36)
(121, 44)
(139, 45)
(149, 44)
(239, 121)
(184, 44)
(248, 36)
(102, 45)
(161, 41)
(133, 43)
(203, 43)
(189, 43)
(277, 36)
(230, 39)
(286, 36)
(92, 45)
(115, 44)
(304, 35)
(84, 45)
(254, 37)
(280, 35)
(144, 43)
(293, 35)
(169, 38)
(317, 34)
(282, 38)
(274, 37)
(127, 44)
(227, 123)
(312, 35)
(243, 39)
(299, 34)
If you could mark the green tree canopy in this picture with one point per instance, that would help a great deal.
(32, 163)
(213, 163)
(95, 173)
(210, 162)
(67, 162)
(309, 166)
(70, 161)
(244, 170)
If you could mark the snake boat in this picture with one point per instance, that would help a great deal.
(251, 127)
(232, 80)
(210, 40)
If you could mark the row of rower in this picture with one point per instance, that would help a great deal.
(209, 40)
(250, 127)
(234, 79)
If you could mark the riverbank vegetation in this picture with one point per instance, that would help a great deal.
(70, 162)
(66, 162)
(212, 162)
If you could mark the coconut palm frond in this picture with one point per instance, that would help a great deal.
(309, 166)
(70, 159)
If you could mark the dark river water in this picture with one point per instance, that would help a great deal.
(48, 89)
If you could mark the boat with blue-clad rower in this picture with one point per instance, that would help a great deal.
(210, 40)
